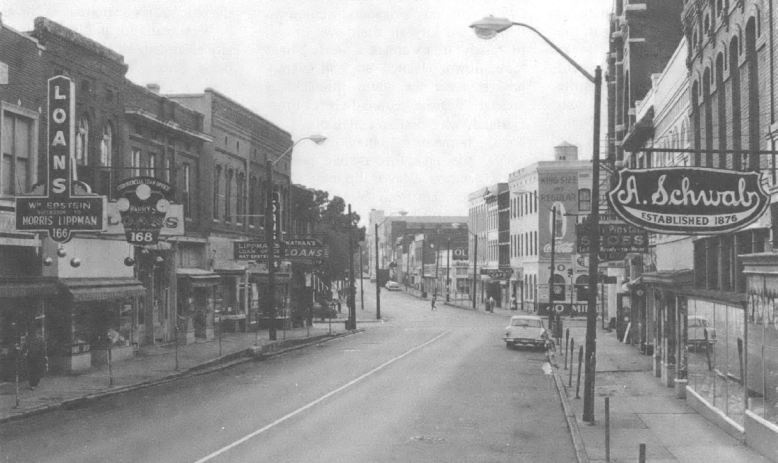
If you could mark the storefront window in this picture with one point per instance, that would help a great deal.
(716, 360)
(763, 348)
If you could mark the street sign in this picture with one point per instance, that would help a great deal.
(609, 280)
(59, 211)
(275, 204)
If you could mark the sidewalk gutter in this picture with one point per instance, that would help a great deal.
(572, 423)
(251, 354)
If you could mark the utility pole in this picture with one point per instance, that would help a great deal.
(377, 279)
(352, 314)
(271, 251)
(448, 268)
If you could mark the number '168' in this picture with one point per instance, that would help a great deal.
(141, 237)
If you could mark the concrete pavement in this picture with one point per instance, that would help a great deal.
(157, 364)
(642, 409)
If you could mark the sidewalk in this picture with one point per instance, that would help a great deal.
(642, 410)
(157, 364)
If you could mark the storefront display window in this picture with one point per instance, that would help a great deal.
(716, 359)
(763, 348)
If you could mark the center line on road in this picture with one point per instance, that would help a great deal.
(311, 404)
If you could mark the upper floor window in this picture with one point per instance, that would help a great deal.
(228, 195)
(135, 162)
(584, 199)
(106, 144)
(217, 178)
(18, 154)
(82, 142)
(187, 189)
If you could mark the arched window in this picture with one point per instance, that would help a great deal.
(736, 122)
(217, 178)
(558, 293)
(582, 287)
(253, 200)
(228, 195)
(106, 145)
(82, 142)
(752, 63)
(241, 194)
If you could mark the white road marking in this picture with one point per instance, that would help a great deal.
(311, 404)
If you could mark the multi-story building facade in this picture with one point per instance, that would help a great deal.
(396, 232)
(236, 193)
(211, 150)
(24, 291)
(537, 191)
(662, 123)
(712, 107)
(484, 242)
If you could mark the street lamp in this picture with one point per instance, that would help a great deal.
(378, 263)
(270, 232)
(487, 28)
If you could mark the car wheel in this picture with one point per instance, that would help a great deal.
(508, 345)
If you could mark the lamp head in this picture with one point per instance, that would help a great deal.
(318, 139)
(489, 27)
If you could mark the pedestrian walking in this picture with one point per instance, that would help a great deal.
(36, 358)
(491, 304)
(513, 303)
(434, 299)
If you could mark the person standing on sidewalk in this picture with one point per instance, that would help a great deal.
(36, 358)
(434, 299)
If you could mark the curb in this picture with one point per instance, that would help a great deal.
(572, 423)
(235, 358)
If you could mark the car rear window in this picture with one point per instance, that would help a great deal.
(526, 323)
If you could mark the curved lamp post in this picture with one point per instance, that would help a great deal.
(378, 263)
(271, 233)
(488, 28)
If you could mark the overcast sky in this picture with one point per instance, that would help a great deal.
(418, 111)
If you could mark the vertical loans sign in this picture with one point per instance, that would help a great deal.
(59, 211)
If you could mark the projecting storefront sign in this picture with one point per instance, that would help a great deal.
(459, 254)
(58, 210)
(497, 274)
(143, 205)
(255, 250)
(616, 240)
(305, 250)
(689, 200)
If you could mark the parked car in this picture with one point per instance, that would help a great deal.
(697, 327)
(527, 330)
(392, 286)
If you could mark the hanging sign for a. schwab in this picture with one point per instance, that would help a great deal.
(689, 200)
(59, 211)
(143, 203)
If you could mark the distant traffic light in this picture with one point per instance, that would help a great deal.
(570, 273)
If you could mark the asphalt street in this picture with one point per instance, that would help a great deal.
(424, 386)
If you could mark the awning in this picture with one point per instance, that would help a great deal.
(262, 278)
(34, 287)
(102, 289)
(199, 278)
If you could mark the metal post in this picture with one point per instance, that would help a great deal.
(570, 376)
(594, 230)
(437, 266)
(219, 313)
(448, 268)
(407, 266)
(423, 242)
(271, 244)
(351, 293)
(361, 282)
(377, 280)
(578, 381)
(553, 268)
(176, 334)
(607, 429)
(110, 366)
(475, 269)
